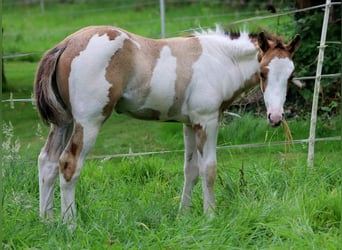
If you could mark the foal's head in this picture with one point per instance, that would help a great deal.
(276, 68)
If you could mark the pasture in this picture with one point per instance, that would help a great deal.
(267, 197)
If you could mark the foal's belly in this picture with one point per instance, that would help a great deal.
(137, 109)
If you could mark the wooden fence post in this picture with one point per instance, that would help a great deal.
(11, 101)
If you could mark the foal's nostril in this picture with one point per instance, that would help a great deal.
(277, 124)
(275, 121)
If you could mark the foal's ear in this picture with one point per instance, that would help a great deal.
(263, 42)
(293, 46)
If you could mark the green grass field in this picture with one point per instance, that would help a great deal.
(267, 197)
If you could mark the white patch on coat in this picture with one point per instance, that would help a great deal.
(280, 70)
(88, 87)
(163, 82)
(221, 70)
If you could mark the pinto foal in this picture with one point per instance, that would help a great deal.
(190, 80)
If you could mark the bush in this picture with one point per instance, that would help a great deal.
(310, 27)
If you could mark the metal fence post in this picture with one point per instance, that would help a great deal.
(317, 85)
(162, 18)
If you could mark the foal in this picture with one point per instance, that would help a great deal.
(190, 80)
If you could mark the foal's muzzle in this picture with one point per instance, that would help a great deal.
(275, 119)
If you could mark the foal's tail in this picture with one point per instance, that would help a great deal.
(49, 103)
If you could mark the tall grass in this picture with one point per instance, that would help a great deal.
(133, 203)
(266, 198)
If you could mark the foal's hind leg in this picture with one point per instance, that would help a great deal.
(48, 162)
(81, 141)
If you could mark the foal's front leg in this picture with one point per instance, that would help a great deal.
(191, 170)
(206, 139)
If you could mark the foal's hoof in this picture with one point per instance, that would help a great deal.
(210, 214)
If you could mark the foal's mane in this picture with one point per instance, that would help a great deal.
(276, 40)
(233, 34)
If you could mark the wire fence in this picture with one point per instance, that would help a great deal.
(261, 15)
(238, 146)
(133, 4)
(12, 100)
(153, 20)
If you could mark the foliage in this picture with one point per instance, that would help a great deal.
(310, 27)
(10, 146)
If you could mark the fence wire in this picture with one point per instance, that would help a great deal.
(253, 145)
(177, 151)
(239, 146)
(337, 75)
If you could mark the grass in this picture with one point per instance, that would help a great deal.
(133, 203)
(267, 197)
(32, 35)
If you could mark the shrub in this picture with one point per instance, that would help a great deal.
(310, 27)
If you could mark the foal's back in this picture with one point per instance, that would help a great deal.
(112, 66)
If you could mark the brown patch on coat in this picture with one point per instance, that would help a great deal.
(271, 47)
(184, 69)
(270, 54)
(127, 63)
(145, 63)
(276, 49)
(132, 61)
(69, 159)
(117, 73)
(201, 137)
(211, 176)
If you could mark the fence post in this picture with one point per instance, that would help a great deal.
(11, 101)
(317, 85)
(162, 18)
(42, 5)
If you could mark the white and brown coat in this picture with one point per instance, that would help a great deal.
(186, 79)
